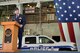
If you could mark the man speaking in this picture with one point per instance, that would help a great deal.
(21, 19)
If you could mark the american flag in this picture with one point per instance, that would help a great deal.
(68, 13)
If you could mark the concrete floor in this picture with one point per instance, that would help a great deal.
(24, 51)
(48, 52)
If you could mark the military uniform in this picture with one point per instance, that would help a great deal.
(22, 21)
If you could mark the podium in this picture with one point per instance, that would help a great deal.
(9, 43)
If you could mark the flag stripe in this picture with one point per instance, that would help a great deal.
(61, 31)
(77, 34)
(79, 24)
(66, 32)
(69, 17)
(71, 31)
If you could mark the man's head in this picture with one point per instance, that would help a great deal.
(16, 11)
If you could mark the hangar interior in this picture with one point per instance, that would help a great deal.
(40, 16)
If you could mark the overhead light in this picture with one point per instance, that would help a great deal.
(47, 10)
(54, 6)
(50, 5)
(28, 5)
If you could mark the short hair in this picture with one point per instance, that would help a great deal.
(16, 9)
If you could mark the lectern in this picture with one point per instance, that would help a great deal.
(9, 43)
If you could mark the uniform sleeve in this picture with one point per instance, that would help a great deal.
(24, 20)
